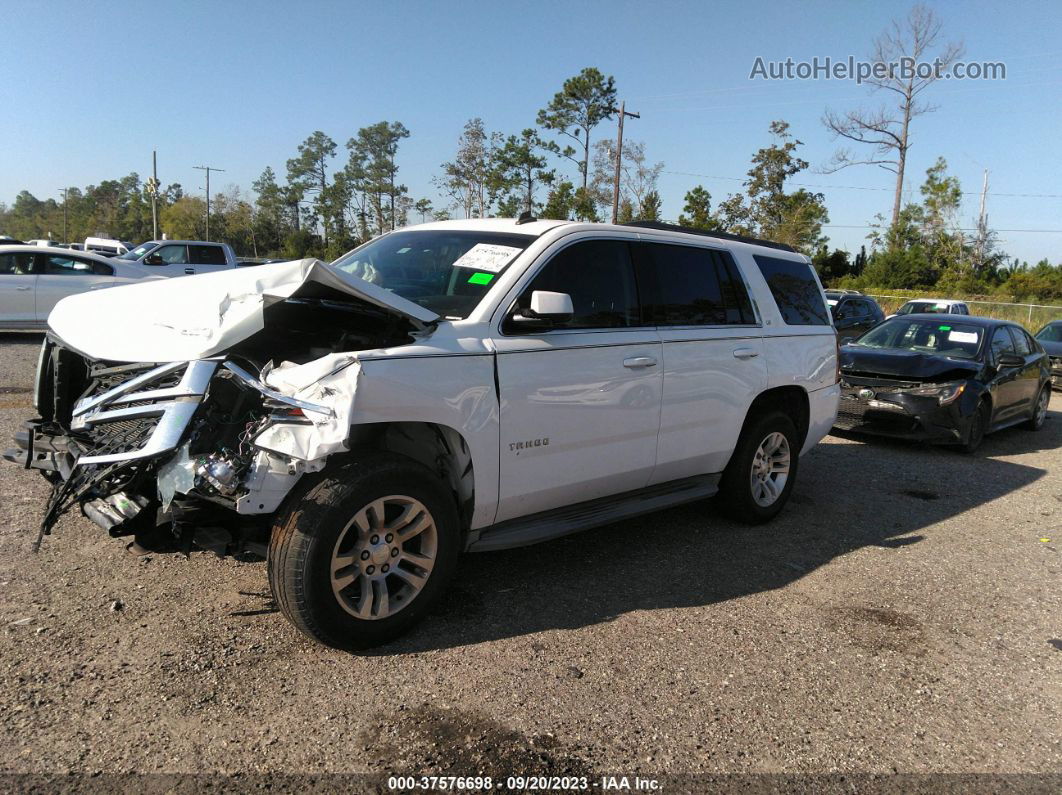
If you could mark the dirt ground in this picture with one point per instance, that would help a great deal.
(903, 614)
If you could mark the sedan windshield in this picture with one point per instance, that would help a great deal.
(139, 251)
(445, 271)
(920, 307)
(958, 340)
(1051, 333)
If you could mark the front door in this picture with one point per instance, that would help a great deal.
(580, 401)
(170, 259)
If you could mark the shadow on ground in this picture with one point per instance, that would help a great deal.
(848, 496)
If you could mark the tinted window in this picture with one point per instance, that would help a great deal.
(56, 264)
(1021, 342)
(688, 286)
(599, 277)
(207, 255)
(16, 264)
(795, 291)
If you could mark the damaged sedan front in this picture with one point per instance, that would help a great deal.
(942, 379)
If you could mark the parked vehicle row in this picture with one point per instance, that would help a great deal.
(1050, 338)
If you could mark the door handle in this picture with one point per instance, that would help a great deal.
(23, 289)
(636, 362)
(190, 271)
(745, 353)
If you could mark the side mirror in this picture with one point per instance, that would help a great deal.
(1011, 360)
(546, 309)
(154, 259)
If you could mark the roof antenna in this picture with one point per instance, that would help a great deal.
(526, 217)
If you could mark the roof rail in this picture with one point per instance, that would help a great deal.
(688, 230)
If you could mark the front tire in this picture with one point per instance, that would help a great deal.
(365, 552)
(978, 427)
(760, 476)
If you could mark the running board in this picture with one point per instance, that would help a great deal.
(547, 525)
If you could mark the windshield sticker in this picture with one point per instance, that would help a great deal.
(963, 336)
(831, 302)
(944, 328)
(486, 257)
(481, 278)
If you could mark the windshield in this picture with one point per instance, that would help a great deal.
(1051, 333)
(445, 271)
(921, 307)
(958, 340)
(139, 251)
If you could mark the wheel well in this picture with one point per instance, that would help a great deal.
(440, 448)
(790, 400)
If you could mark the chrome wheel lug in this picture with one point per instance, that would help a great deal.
(365, 554)
(370, 569)
(375, 539)
(385, 568)
(390, 537)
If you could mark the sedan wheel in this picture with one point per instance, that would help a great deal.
(1039, 415)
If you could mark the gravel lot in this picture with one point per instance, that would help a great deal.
(903, 614)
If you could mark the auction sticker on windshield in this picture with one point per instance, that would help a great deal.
(486, 257)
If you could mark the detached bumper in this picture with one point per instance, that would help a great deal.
(901, 417)
(35, 448)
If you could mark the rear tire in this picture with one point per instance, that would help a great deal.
(365, 552)
(1039, 415)
(760, 476)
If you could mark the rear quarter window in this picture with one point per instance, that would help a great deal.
(795, 291)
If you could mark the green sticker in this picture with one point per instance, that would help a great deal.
(480, 278)
(944, 328)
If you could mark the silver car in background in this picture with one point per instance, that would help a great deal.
(34, 278)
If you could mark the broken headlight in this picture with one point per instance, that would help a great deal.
(944, 393)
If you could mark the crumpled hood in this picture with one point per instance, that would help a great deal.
(905, 364)
(195, 317)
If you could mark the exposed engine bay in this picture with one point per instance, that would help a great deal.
(210, 442)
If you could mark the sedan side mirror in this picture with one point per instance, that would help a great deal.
(546, 309)
(1011, 360)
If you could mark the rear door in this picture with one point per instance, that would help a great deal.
(580, 402)
(18, 281)
(207, 257)
(1029, 377)
(713, 354)
(63, 275)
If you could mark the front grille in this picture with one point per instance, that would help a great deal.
(854, 413)
(131, 412)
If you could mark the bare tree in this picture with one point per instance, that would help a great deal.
(887, 129)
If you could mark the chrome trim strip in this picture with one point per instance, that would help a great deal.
(165, 437)
(87, 404)
(280, 397)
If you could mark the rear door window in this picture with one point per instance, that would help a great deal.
(1021, 342)
(795, 291)
(691, 286)
(206, 255)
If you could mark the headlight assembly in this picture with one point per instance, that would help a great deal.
(944, 393)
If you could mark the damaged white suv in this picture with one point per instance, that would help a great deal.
(465, 385)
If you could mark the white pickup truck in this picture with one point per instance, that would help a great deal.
(181, 257)
(456, 386)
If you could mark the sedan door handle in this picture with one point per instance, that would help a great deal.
(23, 289)
(639, 361)
(745, 353)
(190, 271)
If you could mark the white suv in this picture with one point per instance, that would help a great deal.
(464, 385)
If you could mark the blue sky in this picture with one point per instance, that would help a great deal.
(92, 88)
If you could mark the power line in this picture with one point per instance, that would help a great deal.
(862, 187)
(960, 228)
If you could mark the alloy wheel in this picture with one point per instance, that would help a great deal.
(770, 469)
(384, 557)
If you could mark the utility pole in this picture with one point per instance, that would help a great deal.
(982, 226)
(65, 192)
(208, 169)
(622, 111)
(153, 190)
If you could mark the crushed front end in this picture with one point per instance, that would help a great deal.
(144, 446)
(904, 408)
